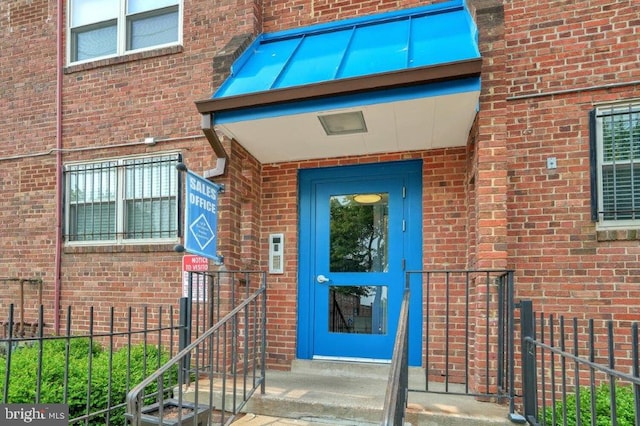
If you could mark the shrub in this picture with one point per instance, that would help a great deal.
(625, 411)
(107, 368)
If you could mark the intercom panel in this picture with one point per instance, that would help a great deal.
(276, 253)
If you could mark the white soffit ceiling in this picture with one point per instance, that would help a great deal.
(405, 125)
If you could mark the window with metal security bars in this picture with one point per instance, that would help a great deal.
(615, 161)
(104, 28)
(132, 199)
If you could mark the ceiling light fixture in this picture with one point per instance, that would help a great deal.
(343, 123)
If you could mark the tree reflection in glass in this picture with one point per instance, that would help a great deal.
(358, 243)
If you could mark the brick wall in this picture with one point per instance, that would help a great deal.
(240, 207)
(561, 57)
(107, 104)
(490, 145)
(152, 95)
(491, 204)
(282, 14)
(27, 127)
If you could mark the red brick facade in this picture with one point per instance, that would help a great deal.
(564, 58)
(491, 204)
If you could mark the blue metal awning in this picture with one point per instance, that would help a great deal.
(386, 65)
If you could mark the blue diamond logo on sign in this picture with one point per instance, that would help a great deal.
(201, 216)
(202, 232)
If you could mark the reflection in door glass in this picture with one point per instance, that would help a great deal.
(358, 309)
(358, 233)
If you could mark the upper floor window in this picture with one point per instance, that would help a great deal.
(103, 28)
(122, 199)
(616, 145)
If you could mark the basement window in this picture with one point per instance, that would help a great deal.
(615, 161)
(126, 200)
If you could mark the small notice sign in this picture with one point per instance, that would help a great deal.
(194, 286)
(194, 263)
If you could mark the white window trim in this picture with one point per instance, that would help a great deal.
(121, 28)
(602, 224)
(120, 207)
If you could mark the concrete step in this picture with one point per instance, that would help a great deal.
(251, 419)
(352, 394)
(317, 393)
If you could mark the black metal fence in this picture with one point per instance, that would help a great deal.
(579, 372)
(90, 371)
(217, 334)
(218, 372)
(469, 332)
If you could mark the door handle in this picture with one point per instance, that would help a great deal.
(322, 279)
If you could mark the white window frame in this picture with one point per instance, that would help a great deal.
(121, 205)
(602, 112)
(122, 30)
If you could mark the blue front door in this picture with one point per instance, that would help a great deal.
(360, 231)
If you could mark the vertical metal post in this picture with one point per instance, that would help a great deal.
(9, 348)
(612, 379)
(263, 337)
(503, 349)
(183, 337)
(511, 327)
(189, 308)
(528, 360)
(511, 332)
(447, 296)
(636, 368)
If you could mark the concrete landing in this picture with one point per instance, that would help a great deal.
(352, 394)
(258, 420)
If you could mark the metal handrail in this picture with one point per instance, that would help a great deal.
(395, 399)
(137, 395)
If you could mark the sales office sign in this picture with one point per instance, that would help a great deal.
(201, 216)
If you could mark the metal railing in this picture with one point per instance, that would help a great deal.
(469, 323)
(92, 366)
(582, 372)
(213, 294)
(217, 373)
(337, 320)
(395, 400)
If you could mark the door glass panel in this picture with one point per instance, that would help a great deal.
(358, 309)
(359, 232)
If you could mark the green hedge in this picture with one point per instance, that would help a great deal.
(625, 411)
(24, 368)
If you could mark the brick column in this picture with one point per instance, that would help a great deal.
(489, 185)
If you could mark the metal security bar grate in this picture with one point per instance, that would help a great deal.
(124, 199)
